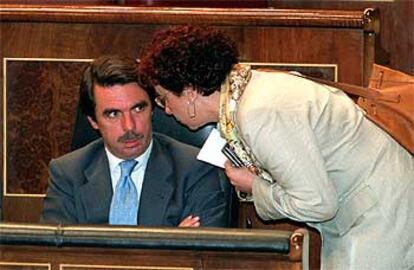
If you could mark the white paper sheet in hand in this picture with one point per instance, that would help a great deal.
(211, 150)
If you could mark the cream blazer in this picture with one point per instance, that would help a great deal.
(333, 169)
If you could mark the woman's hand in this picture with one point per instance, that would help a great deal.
(240, 178)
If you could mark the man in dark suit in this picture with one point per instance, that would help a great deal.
(166, 184)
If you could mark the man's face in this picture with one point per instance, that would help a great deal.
(123, 117)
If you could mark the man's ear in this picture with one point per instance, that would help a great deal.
(92, 122)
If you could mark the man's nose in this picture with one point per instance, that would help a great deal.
(128, 122)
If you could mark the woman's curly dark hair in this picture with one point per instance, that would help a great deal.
(182, 56)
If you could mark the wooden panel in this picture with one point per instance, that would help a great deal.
(23, 208)
(287, 45)
(198, 3)
(117, 267)
(63, 2)
(365, 20)
(397, 19)
(396, 41)
(39, 126)
(95, 258)
(168, 3)
(24, 266)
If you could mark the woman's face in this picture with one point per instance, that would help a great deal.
(184, 108)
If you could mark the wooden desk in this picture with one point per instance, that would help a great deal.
(80, 247)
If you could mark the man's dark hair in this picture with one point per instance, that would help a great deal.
(105, 71)
(188, 56)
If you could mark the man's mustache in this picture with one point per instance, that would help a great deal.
(130, 135)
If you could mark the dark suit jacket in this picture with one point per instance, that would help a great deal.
(175, 186)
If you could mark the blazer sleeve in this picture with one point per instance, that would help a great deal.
(58, 205)
(283, 141)
(207, 196)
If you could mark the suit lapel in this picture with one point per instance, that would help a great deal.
(157, 188)
(96, 193)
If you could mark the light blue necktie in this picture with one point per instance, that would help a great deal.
(124, 205)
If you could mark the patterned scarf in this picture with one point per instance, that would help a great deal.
(231, 92)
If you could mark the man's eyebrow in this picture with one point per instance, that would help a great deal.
(110, 110)
(141, 104)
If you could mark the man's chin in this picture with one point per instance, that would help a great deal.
(131, 154)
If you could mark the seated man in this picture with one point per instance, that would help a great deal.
(130, 176)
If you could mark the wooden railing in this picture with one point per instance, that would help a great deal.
(127, 247)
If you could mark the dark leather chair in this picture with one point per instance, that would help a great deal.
(83, 134)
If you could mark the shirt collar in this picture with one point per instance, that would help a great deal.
(142, 159)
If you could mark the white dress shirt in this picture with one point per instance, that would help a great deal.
(138, 172)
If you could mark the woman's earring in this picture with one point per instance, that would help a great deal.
(191, 110)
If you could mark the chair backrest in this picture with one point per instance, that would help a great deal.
(83, 134)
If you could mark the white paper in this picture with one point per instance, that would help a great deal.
(211, 150)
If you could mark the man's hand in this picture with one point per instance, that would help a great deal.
(190, 221)
(240, 178)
